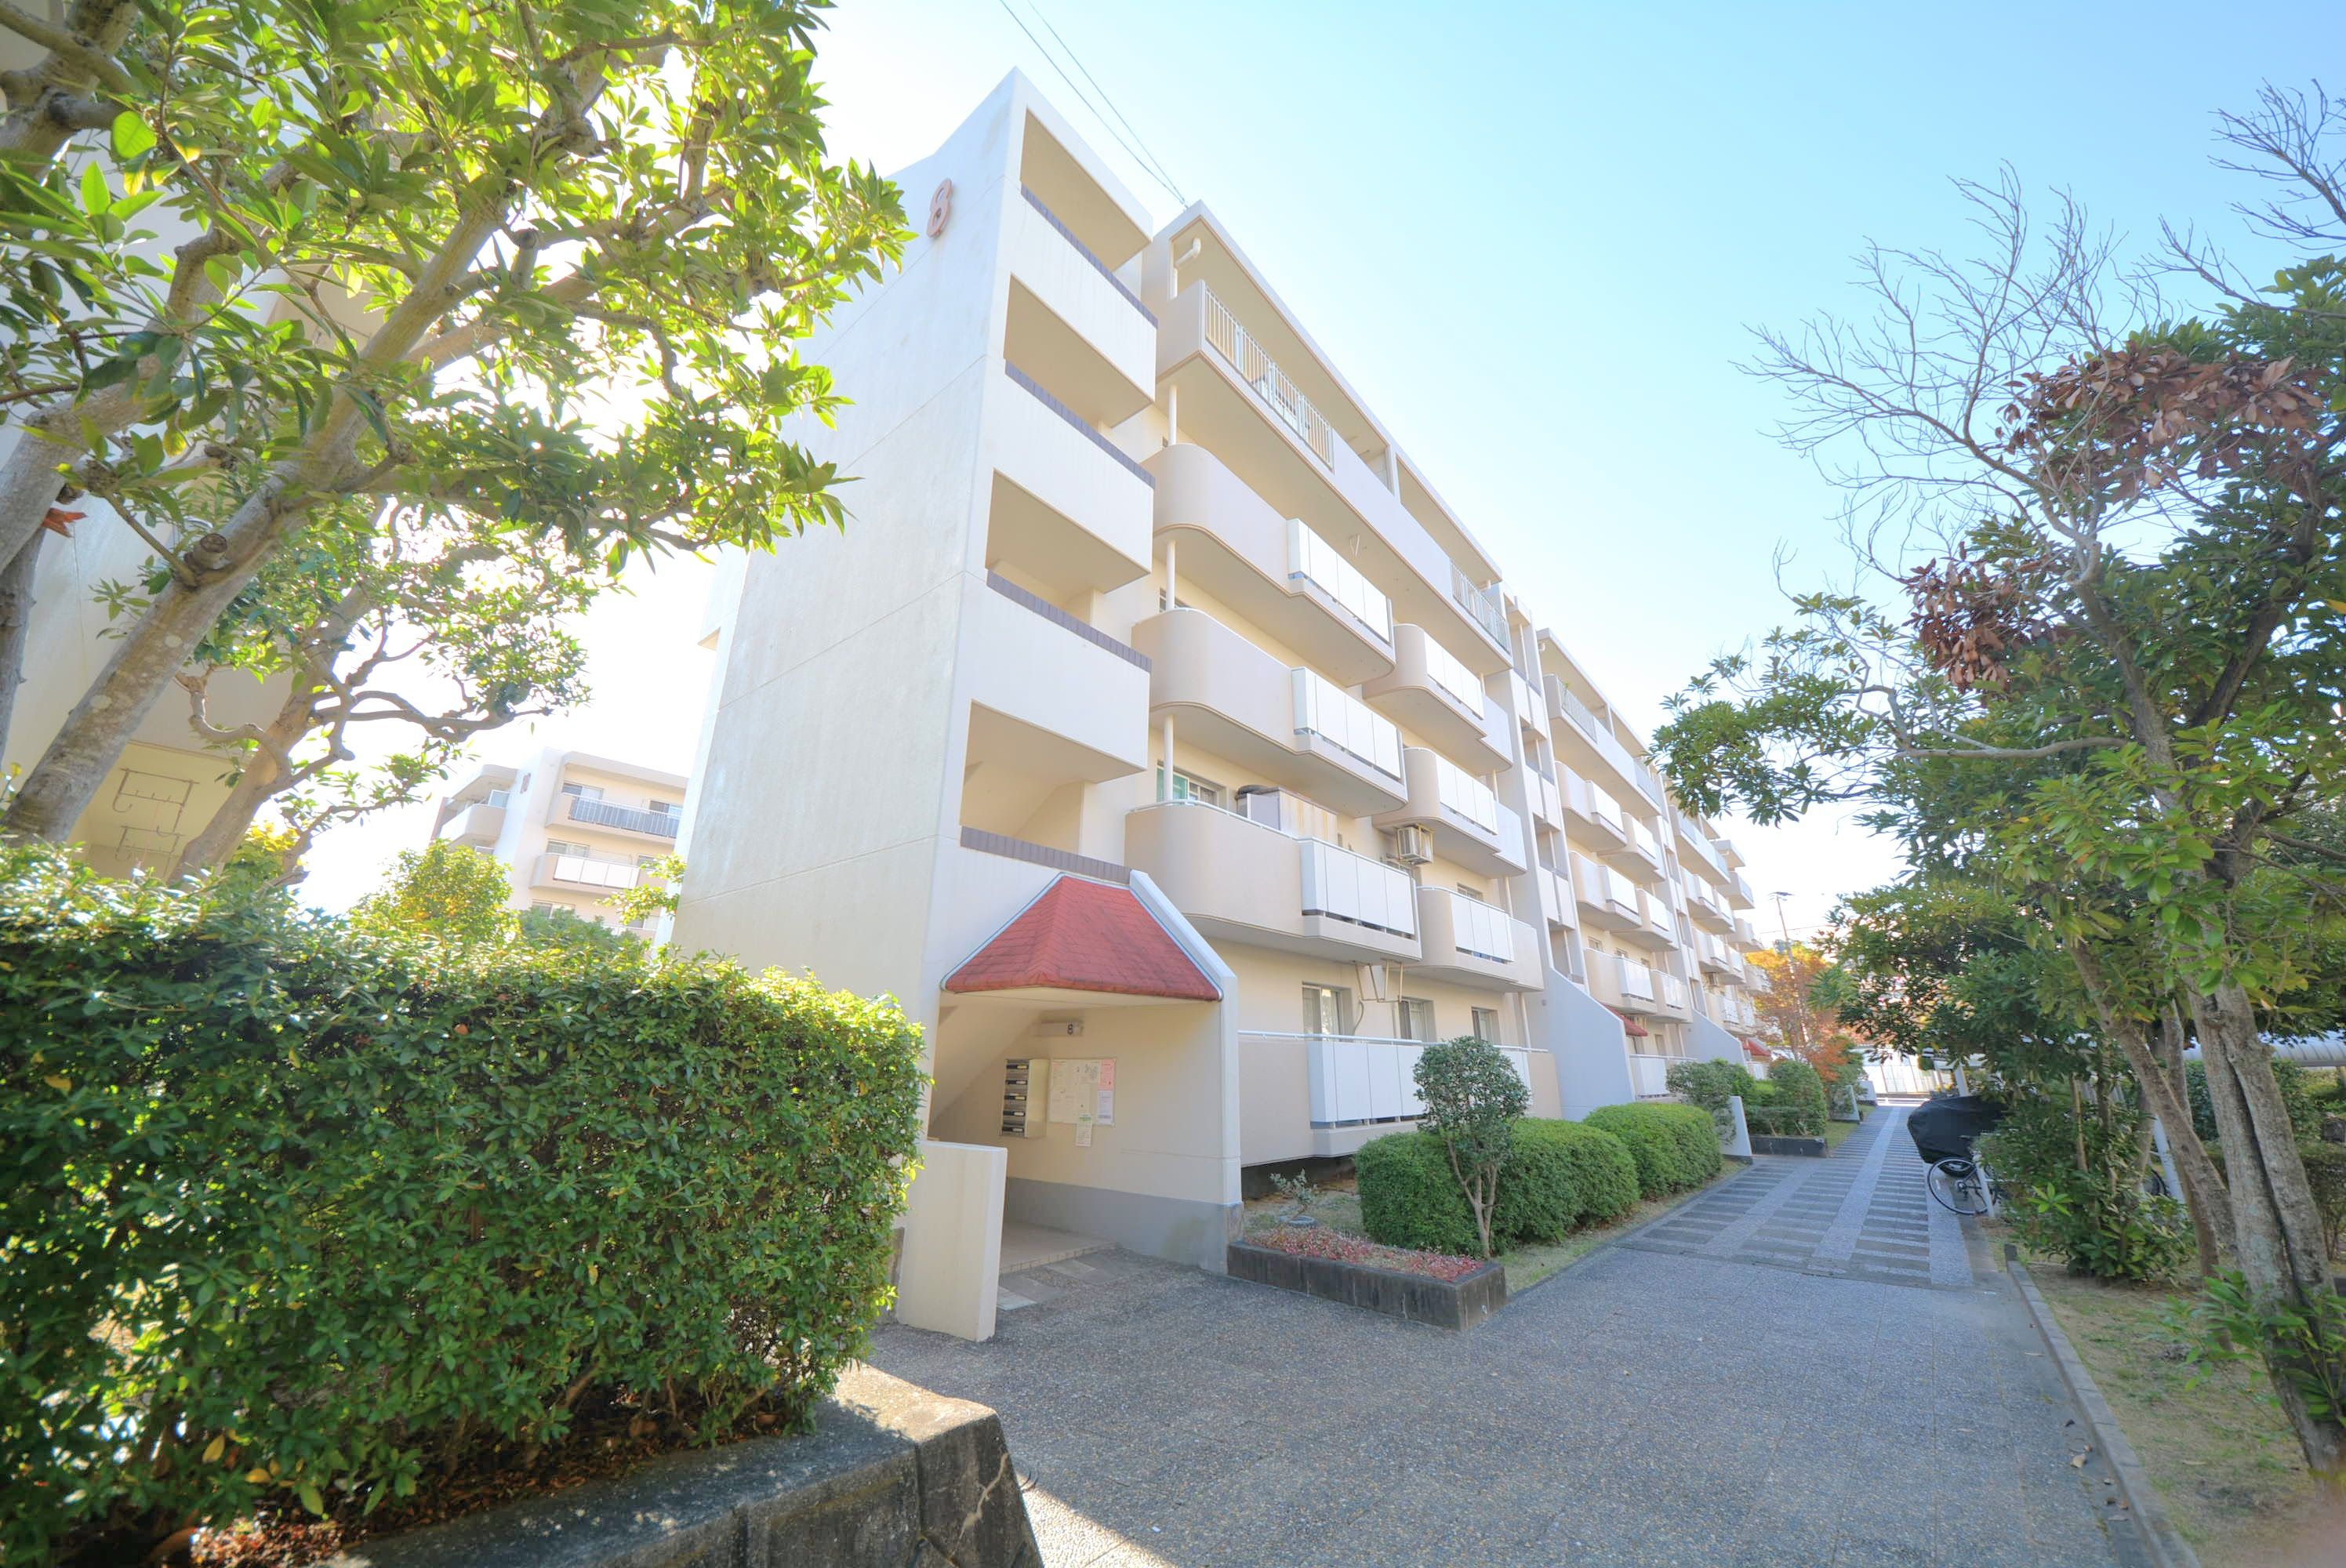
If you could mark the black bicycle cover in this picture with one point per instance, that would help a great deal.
(1944, 1128)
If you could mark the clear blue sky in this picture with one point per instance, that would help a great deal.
(1533, 238)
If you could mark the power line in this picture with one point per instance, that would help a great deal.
(1156, 167)
(1148, 166)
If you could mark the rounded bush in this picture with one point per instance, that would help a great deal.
(1599, 1168)
(1411, 1197)
(324, 1213)
(1698, 1141)
(1661, 1167)
(1796, 1096)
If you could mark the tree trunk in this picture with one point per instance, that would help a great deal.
(2203, 1189)
(2279, 1236)
(47, 103)
(15, 626)
(260, 780)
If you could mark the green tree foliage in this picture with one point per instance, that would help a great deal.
(653, 895)
(444, 892)
(2074, 1187)
(1796, 1102)
(1711, 1083)
(564, 928)
(2091, 658)
(528, 277)
(302, 1215)
(1472, 1100)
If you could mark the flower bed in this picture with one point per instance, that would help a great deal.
(1324, 1241)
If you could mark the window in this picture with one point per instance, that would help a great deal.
(664, 809)
(1324, 1009)
(1416, 1019)
(1190, 786)
(543, 906)
(556, 847)
(1486, 1024)
(584, 792)
(1475, 893)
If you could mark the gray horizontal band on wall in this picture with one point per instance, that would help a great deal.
(1079, 422)
(1059, 617)
(1011, 849)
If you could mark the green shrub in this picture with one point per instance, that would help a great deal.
(2325, 1169)
(1561, 1175)
(300, 1215)
(1472, 1100)
(1558, 1175)
(1698, 1139)
(1710, 1084)
(1411, 1197)
(1655, 1142)
(1796, 1101)
(2097, 1219)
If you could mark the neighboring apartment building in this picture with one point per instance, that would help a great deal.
(1158, 721)
(571, 827)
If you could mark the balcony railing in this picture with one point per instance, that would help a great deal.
(603, 814)
(1674, 991)
(1480, 603)
(1357, 1078)
(1349, 887)
(1261, 372)
(590, 871)
(1461, 793)
(1079, 422)
(1637, 980)
(1327, 710)
(1314, 559)
(1649, 1076)
(1481, 929)
(1059, 617)
(1450, 673)
(1084, 252)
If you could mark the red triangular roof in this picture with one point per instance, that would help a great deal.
(1629, 1024)
(1082, 936)
(1757, 1052)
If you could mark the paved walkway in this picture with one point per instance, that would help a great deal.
(1665, 1401)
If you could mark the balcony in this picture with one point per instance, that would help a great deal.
(1694, 843)
(1232, 396)
(1546, 798)
(1064, 700)
(1649, 1076)
(1660, 927)
(479, 823)
(659, 826)
(1292, 727)
(1607, 899)
(1357, 1078)
(1638, 852)
(1432, 694)
(574, 872)
(1739, 896)
(1474, 944)
(1623, 983)
(1587, 741)
(1556, 898)
(1481, 605)
(1715, 961)
(1240, 880)
(1706, 908)
(1469, 825)
(1067, 507)
(1069, 322)
(1274, 571)
(1675, 997)
(1594, 810)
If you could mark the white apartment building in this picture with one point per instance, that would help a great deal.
(1157, 720)
(572, 829)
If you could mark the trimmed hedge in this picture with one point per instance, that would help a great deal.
(319, 1214)
(1660, 1139)
(1796, 1105)
(1558, 1175)
(1698, 1139)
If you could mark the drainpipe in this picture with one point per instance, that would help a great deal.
(1172, 414)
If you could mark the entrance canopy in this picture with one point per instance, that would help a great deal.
(1084, 941)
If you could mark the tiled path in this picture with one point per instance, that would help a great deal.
(1646, 1407)
(1862, 1214)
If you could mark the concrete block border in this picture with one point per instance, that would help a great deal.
(891, 1474)
(1462, 1303)
(2160, 1541)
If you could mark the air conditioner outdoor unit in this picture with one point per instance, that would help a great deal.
(1413, 845)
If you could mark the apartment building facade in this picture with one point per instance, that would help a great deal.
(1173, 752)
(572, 829)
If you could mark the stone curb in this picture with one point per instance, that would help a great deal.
(2160, 1541)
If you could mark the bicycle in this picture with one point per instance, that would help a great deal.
(1965, 1186)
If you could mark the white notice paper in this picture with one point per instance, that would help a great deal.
(1075, 1089)
(1105, 1114)
(1083, 1134)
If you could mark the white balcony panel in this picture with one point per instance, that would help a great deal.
(1353, 888)
(1442, 701)
(1240, 880)
(1317, 562)
(1328, 712)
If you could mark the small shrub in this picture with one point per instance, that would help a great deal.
(1698, 1138)
(2099, 1219)
(2325, 1169)
(1796, 1101)
(300, 1216)
(1409, 1198)
(1661, 1162)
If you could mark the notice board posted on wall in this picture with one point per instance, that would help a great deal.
(1083, 1093)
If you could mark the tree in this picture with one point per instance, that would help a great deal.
(2114, 528)
(450, 892)
(533, 272)
(655, 891)
(1472, 1100)
(1793, 1016)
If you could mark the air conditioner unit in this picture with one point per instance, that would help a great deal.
(1413, 845)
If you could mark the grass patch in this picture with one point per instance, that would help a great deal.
(1838, 1134)
(2220, 1452)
